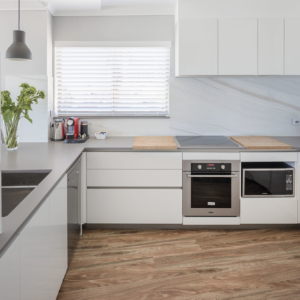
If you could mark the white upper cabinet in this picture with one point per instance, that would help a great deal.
(237, 37)
(196, 47)
(238, 46)
(292, 46)
(271, 46)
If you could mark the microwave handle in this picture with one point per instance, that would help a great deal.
(214, 176)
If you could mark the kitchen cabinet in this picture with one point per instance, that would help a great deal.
(269, 156)
(134, 206)
(43, 248)
(269, 210)
(134, 178)
(238, 46)
(134, 161)
(210, 156)
(34, 256)
(10, 272)
(196, 47)
(134, 187)
(292, 46)
(271, 46)
(58, 236)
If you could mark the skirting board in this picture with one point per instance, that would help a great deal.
(211, 221)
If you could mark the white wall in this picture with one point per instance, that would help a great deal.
(13, 73)
(211, 105)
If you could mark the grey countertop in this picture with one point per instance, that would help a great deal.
(58, 157)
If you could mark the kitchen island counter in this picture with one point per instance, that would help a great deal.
(59, 157)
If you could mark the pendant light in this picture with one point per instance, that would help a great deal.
(18, 50)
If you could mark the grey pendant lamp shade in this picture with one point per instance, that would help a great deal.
(18, 50)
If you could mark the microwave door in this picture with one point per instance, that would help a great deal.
(264, 182)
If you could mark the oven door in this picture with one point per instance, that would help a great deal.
(211, 194)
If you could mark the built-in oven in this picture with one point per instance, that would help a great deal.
(211, 188)
(267, 179)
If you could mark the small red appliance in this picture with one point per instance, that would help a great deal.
(73, 126)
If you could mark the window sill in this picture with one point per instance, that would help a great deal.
(113, 117)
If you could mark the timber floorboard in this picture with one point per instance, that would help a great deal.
(184, 265)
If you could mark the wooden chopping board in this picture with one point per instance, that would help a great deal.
(154, 142)
(260, 142)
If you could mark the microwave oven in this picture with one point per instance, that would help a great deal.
(267, 179)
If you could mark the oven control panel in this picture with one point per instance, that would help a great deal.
(211, 167)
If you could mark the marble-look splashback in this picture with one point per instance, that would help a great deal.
(219, 106)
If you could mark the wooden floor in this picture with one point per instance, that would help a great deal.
(185, 264)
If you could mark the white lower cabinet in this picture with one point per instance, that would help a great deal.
(134, 206)
(58, 237)
(10, 272)
(34, 256)
(43, 248)
(134, 178)
(269, 210)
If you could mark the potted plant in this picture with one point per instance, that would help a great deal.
(12, 112)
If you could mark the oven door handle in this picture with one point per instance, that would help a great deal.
(214, 176)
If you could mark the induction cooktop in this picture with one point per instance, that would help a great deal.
(206, 142)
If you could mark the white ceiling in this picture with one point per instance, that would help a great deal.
(74, 4)
(137, 2)
(95, 7)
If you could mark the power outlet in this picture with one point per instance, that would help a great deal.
(296, 122)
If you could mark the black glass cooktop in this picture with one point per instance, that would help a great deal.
(206, 141)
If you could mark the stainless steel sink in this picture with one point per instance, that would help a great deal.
(17, 185)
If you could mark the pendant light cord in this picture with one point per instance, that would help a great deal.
(19, 8)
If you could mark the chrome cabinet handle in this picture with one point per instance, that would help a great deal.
(215, 176)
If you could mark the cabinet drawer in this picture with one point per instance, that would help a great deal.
(269, 211)
(134, 178)
(134, 161)
(210, 156)
(134, 206)
(269, 156)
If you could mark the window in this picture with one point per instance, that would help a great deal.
(112, 81)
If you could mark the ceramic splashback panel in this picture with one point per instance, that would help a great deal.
(219, 106)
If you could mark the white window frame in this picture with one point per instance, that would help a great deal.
(109, 44)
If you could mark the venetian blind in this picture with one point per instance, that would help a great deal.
(112, 81)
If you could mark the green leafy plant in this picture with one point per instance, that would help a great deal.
(12, 112)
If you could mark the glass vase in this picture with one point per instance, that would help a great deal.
(10, 130)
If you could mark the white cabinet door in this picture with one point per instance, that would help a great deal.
(269, 211)
(34, 256)
(134, 206)
(271, 46)
(134, 161)
(269, 156)
(238, 46)
(197, 47)
(10, 272)
(58, 236)
(134, 178)
(292, 46)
